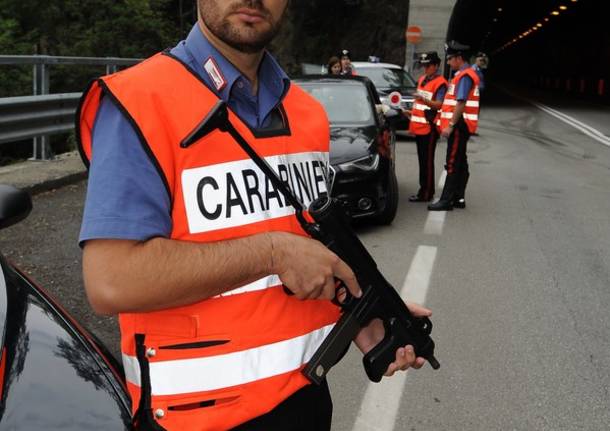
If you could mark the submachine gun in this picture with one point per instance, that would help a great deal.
(326, 221)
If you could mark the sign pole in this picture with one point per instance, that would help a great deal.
(413, 34)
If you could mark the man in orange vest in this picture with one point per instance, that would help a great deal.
(191, 245)
(458, 120)
(431, 88)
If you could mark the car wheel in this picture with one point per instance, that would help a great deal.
(390, 203)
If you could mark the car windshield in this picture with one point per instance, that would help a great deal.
(387, 78)
(343, 103)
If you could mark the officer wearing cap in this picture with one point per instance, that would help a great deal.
(458, 120)
(346, 63)
(480, 64)
(431, 88)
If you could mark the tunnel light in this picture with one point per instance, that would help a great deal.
(546, 19)
(555, 12)
(500, 9)
(539, 24)
(562, 7)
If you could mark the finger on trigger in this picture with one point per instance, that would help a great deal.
(347, 276)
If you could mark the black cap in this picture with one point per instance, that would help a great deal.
(453, 47)
(431, 57)
(344, 53)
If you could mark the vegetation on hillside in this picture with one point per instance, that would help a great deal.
(313, 31)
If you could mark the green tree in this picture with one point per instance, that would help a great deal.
(99, 28)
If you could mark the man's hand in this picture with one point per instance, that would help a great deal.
(371, 335)
(446, 132)
(422, 100)
(309, 269)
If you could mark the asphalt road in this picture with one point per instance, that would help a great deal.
(519, 282)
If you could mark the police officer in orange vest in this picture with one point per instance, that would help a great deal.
(431, 88)
(192, 246)
(458, 120)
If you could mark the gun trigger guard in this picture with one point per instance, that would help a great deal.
(341, 291)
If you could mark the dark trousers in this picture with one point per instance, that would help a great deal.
(426, 147)
(309, 409)
(456, 163)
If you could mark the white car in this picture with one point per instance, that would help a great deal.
(387, 78)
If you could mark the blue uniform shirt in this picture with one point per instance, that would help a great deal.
(464, 86)
(440, 93)
(126, 198)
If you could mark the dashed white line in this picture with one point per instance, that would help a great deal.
(381, 402)
(435, 222)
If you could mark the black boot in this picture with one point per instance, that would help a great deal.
(441, 205)
(459, 203)
(418, 198)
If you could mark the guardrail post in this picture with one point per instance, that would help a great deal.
(111, 68)
(41, 146)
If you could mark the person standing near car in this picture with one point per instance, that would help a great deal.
(431, 88)
(190, 244)
(334, 66)
(346, 63)
(458, 120)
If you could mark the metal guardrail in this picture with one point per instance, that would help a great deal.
(30, 116)
(111, 63)
(42, 115)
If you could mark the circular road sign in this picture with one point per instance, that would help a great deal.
(413, 34)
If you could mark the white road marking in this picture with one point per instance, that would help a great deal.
(585, 128)
(442, 178)
(579, 125)
(381, 401)
(435, 222)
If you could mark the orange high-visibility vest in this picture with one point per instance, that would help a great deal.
(471, 112)
(220, 362)
(419, 125)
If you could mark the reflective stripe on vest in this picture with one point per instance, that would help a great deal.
(208, 374)
(471, 111)
(419, 125)
(243, 348)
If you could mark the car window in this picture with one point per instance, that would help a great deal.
(343, 103)
(387, 78)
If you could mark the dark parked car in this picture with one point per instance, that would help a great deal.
(362, 145)
(54, 375)
(387, 79)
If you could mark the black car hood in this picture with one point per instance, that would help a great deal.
(349, 143)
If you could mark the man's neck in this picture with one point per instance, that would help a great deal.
(246, 63)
